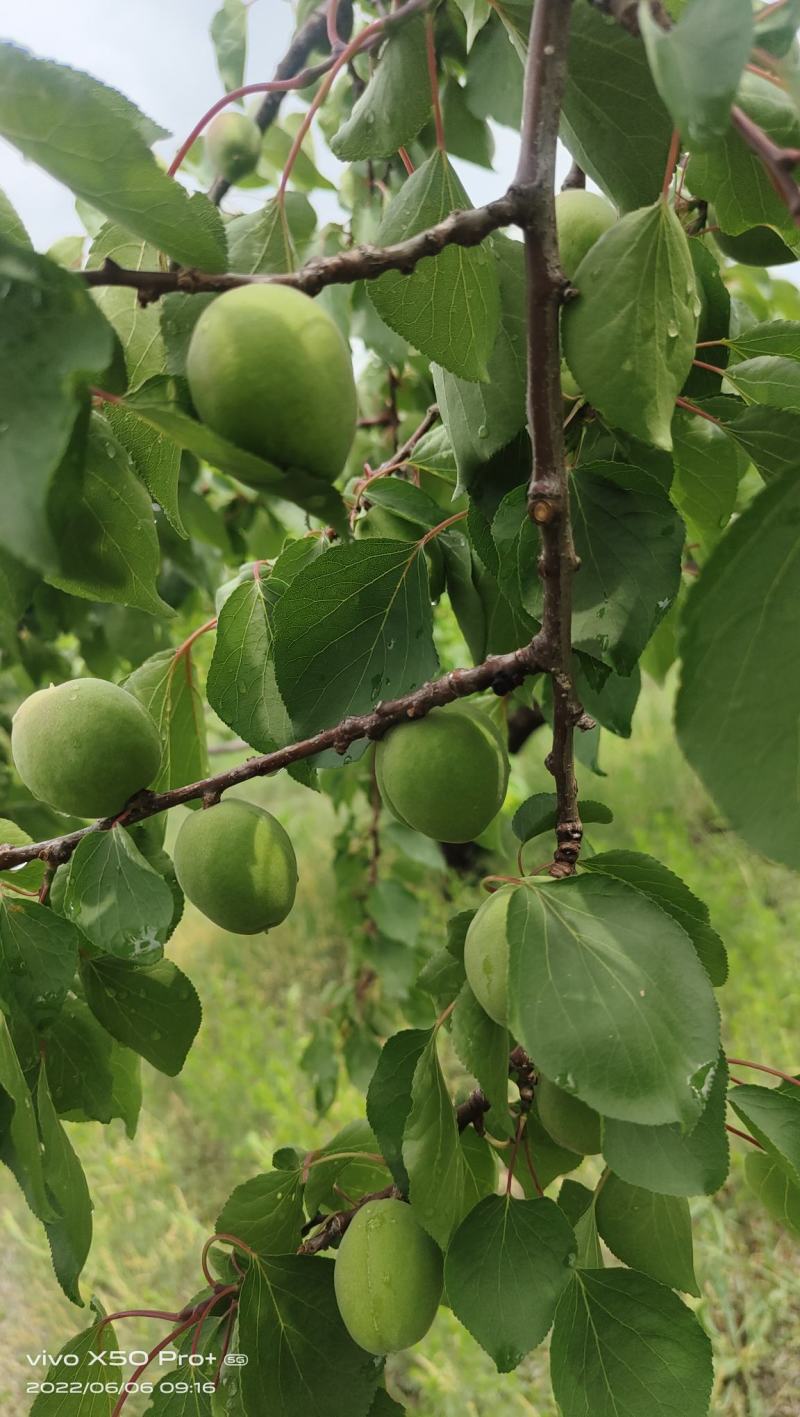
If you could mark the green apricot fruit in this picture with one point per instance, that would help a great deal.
(236, 863)
(380, 522)
(85, 747)
(270, 370)
(486, 955)
(568, 1120)
(233, 144)
(758, 246)
(445, 776)
(387, 1278)
(581, 219)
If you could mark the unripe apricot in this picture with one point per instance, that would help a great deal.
(388, 1277)
(445, 776)
(269, 370)
(380, 522)
(85, 747)
(568, 1120)
(233, 144)
(581, 218)
(236, 863)
(486, 954)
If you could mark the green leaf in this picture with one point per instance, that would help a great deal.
(38, 958)
(389, 1095)
(630, 337)
(431, 1152)
(773, 1117)
(480, 1169)
(505, 1270)
(648, 1232)
(303, 1362)
(669, 1160)
(152, 1009)
(229, 36)
(166, 684)
(738, 619)
(669, 892)
(385, 1406)
(441, 977)
(394, 105)
(93, 140)
(732, 177)
(157, 403)
(353, 627)
(155, 459)
(775, 337)
(241, 684)
(613, 702)
(107, 543)
(539, 814)
(707, 470)
(83, 1346)
(11, 224)
(777, 28)
(476, 13)
(408, 501)
(138, 326)
(483, 1047)
(578, 1204)
(768, 437)
(70, 1236)
(494, 77)
(608, 993)
(116, 898)
(187, 1391)
(53, 342)
(266, 1212)
(336, 1171)
(697, 64)
(396, 911)
(266, 242)
(92, 1078)
(613, 121)
(775, 1189)
(449, 307)
(481, 418)
(30, 875)
(624, 1344)
(25, 1158)
(465, 135)
(768, 379)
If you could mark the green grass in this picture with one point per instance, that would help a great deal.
(242, 1094)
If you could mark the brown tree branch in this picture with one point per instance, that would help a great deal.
(548, 492)
(500, 672)
(467, 228)
(335, 1225)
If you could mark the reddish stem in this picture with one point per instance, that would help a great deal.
(712, 368)
(226, 1342)
(433, 76)
(699, 412)
(343, 57)
(138, 1314)
(770, 10)
(745, 1136)
(531, 1167)
(154, 1352)
(195, 635)
(709, 343)
(104, 396)
(223, 1239)
(764, 74)
(512, 1161)
(434, 531)
(271, 86)
(406, 161)
(672, 162)
(762, 1068)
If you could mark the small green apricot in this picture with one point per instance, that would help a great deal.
(445, 776)
(380, 522)
(387, 1278)
(581, 219)
(568, 1120)
(270, 370)
(85, 747)
(486, 954)
(233, 144)
(236, 863)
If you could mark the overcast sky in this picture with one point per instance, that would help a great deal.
(159, 54)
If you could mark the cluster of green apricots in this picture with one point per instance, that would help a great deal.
(87, 746)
